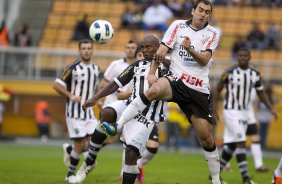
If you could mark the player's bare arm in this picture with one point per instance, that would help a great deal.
(201, 57)
(108, 89)
(264, 99)
(216, 93)
(157, 59)
(64, 92)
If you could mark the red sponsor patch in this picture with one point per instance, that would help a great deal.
(191, 80)
(172, 36)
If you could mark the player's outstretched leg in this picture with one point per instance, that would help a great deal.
(109, 129)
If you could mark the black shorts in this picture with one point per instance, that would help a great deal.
(154, 136)
(191, 101)
(252, 129)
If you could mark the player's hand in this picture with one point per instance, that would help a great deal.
(75, 99)
(186, 43)
(158, 58)
(89, 103)
(152, 79)
(274, 114)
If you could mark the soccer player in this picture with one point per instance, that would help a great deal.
(192, 43)
(239, 81)
(78, 83)
(136, 133)
(276, 179)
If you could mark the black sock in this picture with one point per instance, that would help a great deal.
(128, 178)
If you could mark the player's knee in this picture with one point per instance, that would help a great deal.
(207, 141)
(108, 115)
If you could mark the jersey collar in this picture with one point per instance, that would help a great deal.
(188, 22)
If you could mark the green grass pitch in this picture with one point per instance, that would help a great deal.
(21, 164)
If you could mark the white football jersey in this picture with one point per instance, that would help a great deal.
(183, 64)
(115, 68)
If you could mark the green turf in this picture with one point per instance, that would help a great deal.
(21, 164)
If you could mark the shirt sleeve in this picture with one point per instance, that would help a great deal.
(126, 76)
(212, 43)
(110, 72)
(258, 84)
(169, 38)
(65, 78)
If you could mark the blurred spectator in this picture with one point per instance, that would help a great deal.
(127, 18)
(22, 37)
(42, 119)
(272, 37)
(255, 37)
(220, 2)
(81, 29)
(239, 42)
(5, 95)
(156, 17)
(187, 8)
(263, 115)
(4, 35)
(176, 7)
(132, 19)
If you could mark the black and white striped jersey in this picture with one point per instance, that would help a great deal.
(239, 84)
(81, 80)
(138, 72)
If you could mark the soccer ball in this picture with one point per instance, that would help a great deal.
(101, 31)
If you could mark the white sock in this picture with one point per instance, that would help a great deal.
(278, 170)
(132, 110)
(123, 160)
(147, 156)
(214, 166)
(257, 154)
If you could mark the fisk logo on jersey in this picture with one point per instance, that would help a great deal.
(172, 37)
(143, 120)
(191, 80)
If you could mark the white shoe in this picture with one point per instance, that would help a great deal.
(83, 171)
(71, 179)
(66, 154)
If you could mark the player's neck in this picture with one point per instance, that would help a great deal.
(129, 61)
(86, 62)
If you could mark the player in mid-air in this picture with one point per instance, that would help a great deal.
(193, 43)
(79, 83)
(239, 81)
(137, 132)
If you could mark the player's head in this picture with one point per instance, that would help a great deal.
(244, 57)
(85, 47)
(138, 53)
(130, 49)
(201, 13)
(149, 46)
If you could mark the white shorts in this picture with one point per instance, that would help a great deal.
(251, 118)
(136, 132)
(81, 128)
(235, 125)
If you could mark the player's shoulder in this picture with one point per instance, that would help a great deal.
(252, 68)
(73, 65)
(119, 61)
(231, 68)
(212, 29)
(180, 22)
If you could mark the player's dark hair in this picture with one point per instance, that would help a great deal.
(137, 50)
(132, 41)
(206, 2)
(245, 49)
(85, 41)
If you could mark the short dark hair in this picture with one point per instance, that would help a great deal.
(206, 2)
(84, 41)
(245, 49)
(132, 41)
